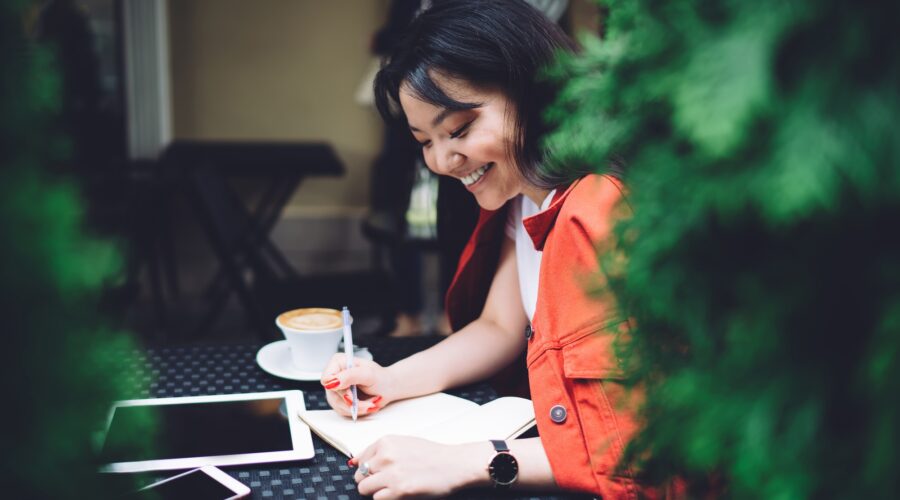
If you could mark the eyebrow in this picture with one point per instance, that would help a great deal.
(439, 118)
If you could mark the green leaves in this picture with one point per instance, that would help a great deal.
(762, 260)
(723, 85)
(62, 362)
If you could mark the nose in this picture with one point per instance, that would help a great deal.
(447, 160)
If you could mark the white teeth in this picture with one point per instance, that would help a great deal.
(474, 176)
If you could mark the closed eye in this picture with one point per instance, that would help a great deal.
(460, 131)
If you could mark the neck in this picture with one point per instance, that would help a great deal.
(537, 195)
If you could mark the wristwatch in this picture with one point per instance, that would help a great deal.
(503, 469)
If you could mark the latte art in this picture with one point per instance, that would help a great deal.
(312, 319)
(315, 321)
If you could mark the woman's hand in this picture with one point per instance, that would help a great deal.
(402, 466)
(374, 385)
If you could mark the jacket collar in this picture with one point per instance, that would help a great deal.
(539, 225)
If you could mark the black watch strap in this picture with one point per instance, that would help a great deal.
(499, 445)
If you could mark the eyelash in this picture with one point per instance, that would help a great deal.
(460, 131)
(456, 134)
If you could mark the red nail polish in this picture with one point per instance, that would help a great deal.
(376, 400)
(331, 384)
(350, 463)
(348, 399)
(373, 409)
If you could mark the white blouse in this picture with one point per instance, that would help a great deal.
(528, 260)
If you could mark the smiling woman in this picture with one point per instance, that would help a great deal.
(467, 144)
(465, 79)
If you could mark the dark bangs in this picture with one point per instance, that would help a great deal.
(425, 89)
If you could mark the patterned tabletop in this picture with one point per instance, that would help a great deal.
(229, 369)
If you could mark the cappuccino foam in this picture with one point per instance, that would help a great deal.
(313, 319)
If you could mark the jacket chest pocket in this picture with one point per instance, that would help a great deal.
(592, 356)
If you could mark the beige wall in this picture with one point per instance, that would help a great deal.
(287, 70)
(279, 70)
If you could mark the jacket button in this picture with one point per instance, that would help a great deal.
(528, 332)
(558, 414)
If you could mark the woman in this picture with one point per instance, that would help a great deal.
(465, 78)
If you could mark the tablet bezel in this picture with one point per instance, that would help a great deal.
(301, 438)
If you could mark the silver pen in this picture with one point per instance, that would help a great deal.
(348, 353)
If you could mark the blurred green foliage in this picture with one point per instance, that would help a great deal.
(59, 367)
(762, 260)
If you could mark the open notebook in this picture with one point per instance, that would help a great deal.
(439, 417)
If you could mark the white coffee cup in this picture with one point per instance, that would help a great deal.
(313, 334)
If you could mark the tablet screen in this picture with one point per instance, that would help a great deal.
(198, 430)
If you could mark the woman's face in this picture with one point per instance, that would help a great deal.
(472, 145)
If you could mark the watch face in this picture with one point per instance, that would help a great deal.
(504, 469)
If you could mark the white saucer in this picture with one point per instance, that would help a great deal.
(275, 358)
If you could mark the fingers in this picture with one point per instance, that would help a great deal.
(376, 481)
(362, 375)
(374, 484)
(368, 457)
(337, 380)
(384, 494)
(364, 406)
(369, 482)
(337, 363)
(341, 402)
(337, 403)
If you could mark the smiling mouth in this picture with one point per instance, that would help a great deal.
(477, 174)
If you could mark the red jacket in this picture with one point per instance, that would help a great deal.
(572, 368)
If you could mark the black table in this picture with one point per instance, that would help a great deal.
(229, 369)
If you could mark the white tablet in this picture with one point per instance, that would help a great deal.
(194, 431)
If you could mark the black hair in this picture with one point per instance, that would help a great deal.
(500, 44)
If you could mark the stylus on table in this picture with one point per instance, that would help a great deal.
(348, 353)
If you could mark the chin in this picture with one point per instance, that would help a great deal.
(488, 202)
